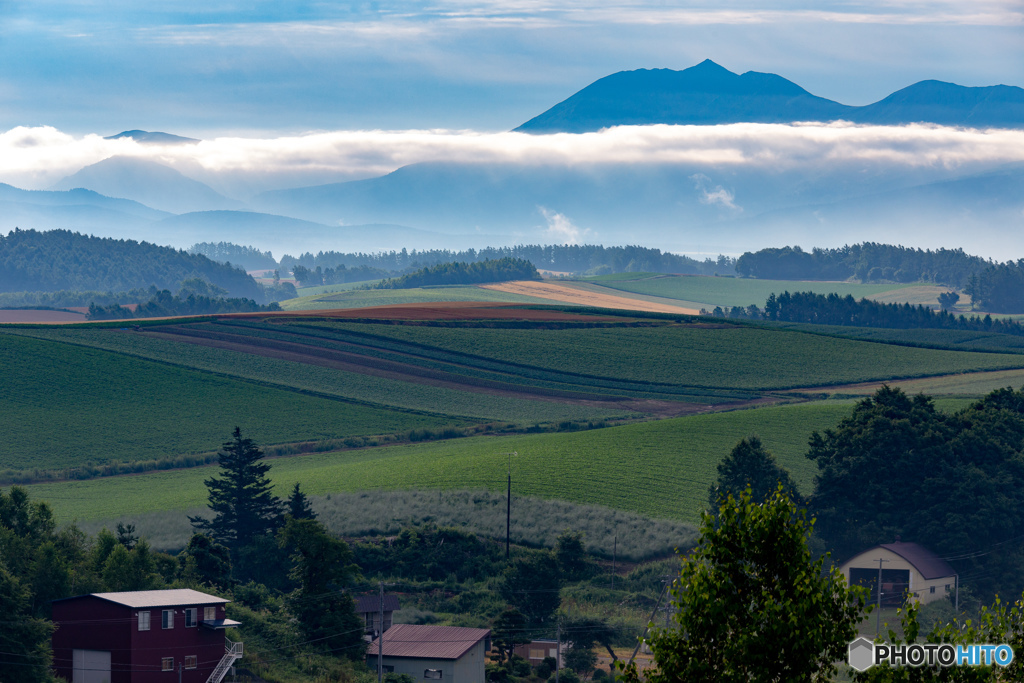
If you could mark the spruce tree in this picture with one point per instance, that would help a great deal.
(241, 500)
(298, 505)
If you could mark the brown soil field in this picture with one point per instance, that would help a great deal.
(40, 316)
(560, 292)
(449, 310)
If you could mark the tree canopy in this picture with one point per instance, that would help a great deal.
(952, 482)
(752, 604)
(749, 465)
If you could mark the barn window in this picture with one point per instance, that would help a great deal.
(168, 618)
(191, 616)
(167, 664)
(432, 673)
(144, 621)
(209, 613)
(191, 661)
(931, 589)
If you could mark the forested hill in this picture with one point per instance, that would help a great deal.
(866, 262)
(32, 261)
(499, 270)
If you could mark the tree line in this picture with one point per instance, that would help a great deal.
(164, 304)
(571, 258)
(867, 262)
(459, 273)
(247, 257)
(835, 309)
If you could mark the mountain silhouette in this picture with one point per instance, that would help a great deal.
(149, 183)
(709, 94)
(154, 137)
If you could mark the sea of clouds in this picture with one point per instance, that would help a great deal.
(38, 157)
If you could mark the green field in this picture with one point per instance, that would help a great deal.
(328, 381)
(964, 340)
(727, 357)
(362, 298)
(66, 405)
(729, 291)
(658, 469)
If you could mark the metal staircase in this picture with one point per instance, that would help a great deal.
(232, 653)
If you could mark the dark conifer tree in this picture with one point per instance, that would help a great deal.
(241, 500)
(749, 464)
(298, 505)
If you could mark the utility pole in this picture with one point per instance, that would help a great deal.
(615, 549)
(649, 621)
(380, 638)
(558, 649)
(956, 584)
(508, 508)
(878, 590)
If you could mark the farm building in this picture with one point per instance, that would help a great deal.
(160, 636)
(368, 607)
(906, 568)
(447, 653)
(535, 651)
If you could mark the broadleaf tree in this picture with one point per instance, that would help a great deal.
(751, 602)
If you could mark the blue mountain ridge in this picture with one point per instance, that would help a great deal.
(709, 94)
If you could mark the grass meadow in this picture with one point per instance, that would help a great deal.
(659, 469)
(535, 521)
(731, 291)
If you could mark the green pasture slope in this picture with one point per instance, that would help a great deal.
(658, 469)
(66, 405)
(728, 357)
(729, 291)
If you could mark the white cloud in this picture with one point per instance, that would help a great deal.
(37, 157)
(709, 193)
(561, 230)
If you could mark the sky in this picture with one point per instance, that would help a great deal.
(216, 68)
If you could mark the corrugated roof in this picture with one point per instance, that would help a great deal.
(371, 603)
(164, 598)
(428, 642)
(928, 563)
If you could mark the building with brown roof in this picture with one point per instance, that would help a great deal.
(452, 654)
(368, 607)
(907, 568)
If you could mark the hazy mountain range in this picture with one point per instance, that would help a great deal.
(679, 206)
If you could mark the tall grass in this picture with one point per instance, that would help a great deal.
(535, 522)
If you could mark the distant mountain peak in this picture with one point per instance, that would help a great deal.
(155, 137)
(710, 94)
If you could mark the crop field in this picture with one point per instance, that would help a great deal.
(657, 469)
(416, 396)
(729, 291)
(705, 356)
(975, 384)
(65, 405)
(363, 298)
(964, 340)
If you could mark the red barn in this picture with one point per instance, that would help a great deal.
(143, 637)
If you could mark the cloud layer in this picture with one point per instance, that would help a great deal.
(35, 158)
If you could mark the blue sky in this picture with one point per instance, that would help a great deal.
(253, 68)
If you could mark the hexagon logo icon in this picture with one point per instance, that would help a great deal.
(861, 654)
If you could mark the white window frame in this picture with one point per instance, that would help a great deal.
(191, 617)
(191, 661)
(433, 673)
(167, 664)
(144, 620)
(167, 619)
